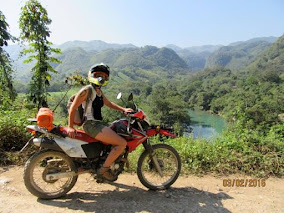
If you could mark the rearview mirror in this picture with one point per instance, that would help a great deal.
(119, 96)
(130, 98)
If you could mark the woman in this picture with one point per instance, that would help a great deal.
(98, 76)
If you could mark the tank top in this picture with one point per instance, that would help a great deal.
(94, 111)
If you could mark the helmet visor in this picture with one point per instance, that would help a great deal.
(98, 78)
(100, 74)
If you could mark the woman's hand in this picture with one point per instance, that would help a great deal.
(71, 132)
(127, 110)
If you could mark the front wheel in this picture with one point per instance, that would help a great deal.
(169, 163)
(47, 162)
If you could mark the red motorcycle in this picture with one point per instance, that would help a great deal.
(53, 171)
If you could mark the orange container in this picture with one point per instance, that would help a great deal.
(44, 118)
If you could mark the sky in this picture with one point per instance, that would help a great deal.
(184, 23)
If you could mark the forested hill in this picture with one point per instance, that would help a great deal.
(238, 56)
(143, 63)
(254, 96)
(234, 56)
(146, 58)
(271, 61)
(79, 59)
(79, 55)
(196, 56)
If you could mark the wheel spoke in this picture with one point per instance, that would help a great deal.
(43, 164)
(169, 162)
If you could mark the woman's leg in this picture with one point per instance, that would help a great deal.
(107, 135)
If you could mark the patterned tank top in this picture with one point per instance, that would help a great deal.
(94, 111)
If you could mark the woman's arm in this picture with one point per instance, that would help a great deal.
(80, 97)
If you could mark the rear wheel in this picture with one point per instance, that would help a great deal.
(169, 162)
(45, 163)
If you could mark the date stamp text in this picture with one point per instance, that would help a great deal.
(253, 182)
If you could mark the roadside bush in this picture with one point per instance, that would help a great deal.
(248, 152)
(13, 134)
(236, 151)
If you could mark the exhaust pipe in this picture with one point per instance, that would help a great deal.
(59, 175)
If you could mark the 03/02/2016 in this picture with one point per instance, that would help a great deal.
(253, 182)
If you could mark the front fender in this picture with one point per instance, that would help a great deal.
(158, 130)
(167, 133)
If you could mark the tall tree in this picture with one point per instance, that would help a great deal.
(7, 90)
(34, 30)
(168, 107)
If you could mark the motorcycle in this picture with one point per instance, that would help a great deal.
(52, 171)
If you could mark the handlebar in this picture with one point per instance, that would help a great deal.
(129, 113)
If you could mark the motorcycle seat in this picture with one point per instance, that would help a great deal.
(81, 135)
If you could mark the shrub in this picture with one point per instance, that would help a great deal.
(13, 134)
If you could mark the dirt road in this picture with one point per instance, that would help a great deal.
(188, 194)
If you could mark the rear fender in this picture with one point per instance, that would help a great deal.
(35, 128)
(47, 143)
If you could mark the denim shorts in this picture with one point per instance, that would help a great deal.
(93, 128)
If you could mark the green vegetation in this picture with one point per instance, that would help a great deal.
(13, 132)
(237, 57)
(255, 98)
(249, 152)
(34, 30)
(247, 89)
(270, 64)
(7, 90)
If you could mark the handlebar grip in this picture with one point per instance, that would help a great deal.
(129, 113)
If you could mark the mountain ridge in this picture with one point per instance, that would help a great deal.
(81, 55)
(238, 56)
(97, 45)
